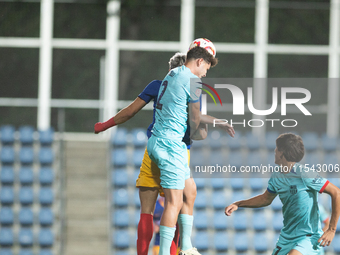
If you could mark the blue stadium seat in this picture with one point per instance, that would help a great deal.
(259, 221)
(119, 138)
(46, 196)
(312, 158)
(26, 237)
(201, 241)
(6, 216)
(200, 183)
(221, 242)
(138, 155)
(26, 217)
(7, 155)
(26, 252)
(6, 251)
(120, 218)
(201, 200)
(276, 205)
(200, 220)
(26, 175)
(46, 176)
(197, 158)
(310, 140)
(136, 218)
(220, 221)
(329, 144)
(260, 242)
(46, 156)
(218, 183)
(235, 158)
(46, 237)
(132, 181)
(216, 158)
(6, 237)
(121, 239)
(6, 196)
(277, 221)
(46, 137)
(270, 160)
(26, 155)
(236, 183)
(26, 135)
(254, 158)
(331, 159)
(120, 177)
(219, 200)
(7, 175)
(234, 143)
(45, 252)
(139, 138)
(257, 184)
(7, 134)
(240, 222)
(119, 157)
(26, 196)
(237, 195)
(271, 140)
(46, 217)
(136, 198)
(215, 140)
(241, 242)
(120, 197)
(252, 141)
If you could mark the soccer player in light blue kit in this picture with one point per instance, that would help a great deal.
(165, 146)
(298, 189)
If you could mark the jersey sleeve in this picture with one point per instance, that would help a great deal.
(195, 90)
(150, 92)
(314, 181)
(271, 186)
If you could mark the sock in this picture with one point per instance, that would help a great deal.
(144, 232)
(102, 126)
(185, 222)
(166, 237)
(174, 244)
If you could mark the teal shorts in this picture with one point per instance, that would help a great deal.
(307, 245)
(171, 157)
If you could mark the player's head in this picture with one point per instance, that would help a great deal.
(289, 147)
(177, 60)
(201, 60)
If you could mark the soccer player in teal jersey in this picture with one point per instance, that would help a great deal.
(298, 188)
(166, 148)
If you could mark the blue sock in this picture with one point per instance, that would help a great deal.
(185, 222)
(166, 236)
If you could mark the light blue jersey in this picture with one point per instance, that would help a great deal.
(172, 104)
(298, 192)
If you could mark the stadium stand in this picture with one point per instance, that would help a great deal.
(29, 177)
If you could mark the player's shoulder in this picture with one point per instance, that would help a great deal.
(155, 83)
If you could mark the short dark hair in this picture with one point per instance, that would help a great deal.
(292, 146)
(199, 52)
(177, 60)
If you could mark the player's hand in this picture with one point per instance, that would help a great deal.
(326, 238)
(230, 208)
(228, 128)
(98, 127)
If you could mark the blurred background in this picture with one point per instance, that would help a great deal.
(66, 64)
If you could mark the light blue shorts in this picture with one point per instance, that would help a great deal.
(171, 157)
(307, 245)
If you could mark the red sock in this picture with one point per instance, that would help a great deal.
(144, 232)
(174, 244)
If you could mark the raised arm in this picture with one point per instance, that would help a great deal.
(262, 200)
(328, 235)
(207, 119)
(194, 117)
(122, 116)
(201, 133)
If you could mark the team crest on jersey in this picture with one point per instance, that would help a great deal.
(317, 179)
(198, 92)
(293, 189)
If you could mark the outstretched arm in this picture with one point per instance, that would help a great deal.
(122, 116)
(328, 235)
(194, 117)
(207, 119)
(201, 133)
(262, 200)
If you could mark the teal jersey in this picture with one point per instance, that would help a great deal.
(172, 104)
(298, 192)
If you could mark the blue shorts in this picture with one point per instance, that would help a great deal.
(171, 157)
(307, 245)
